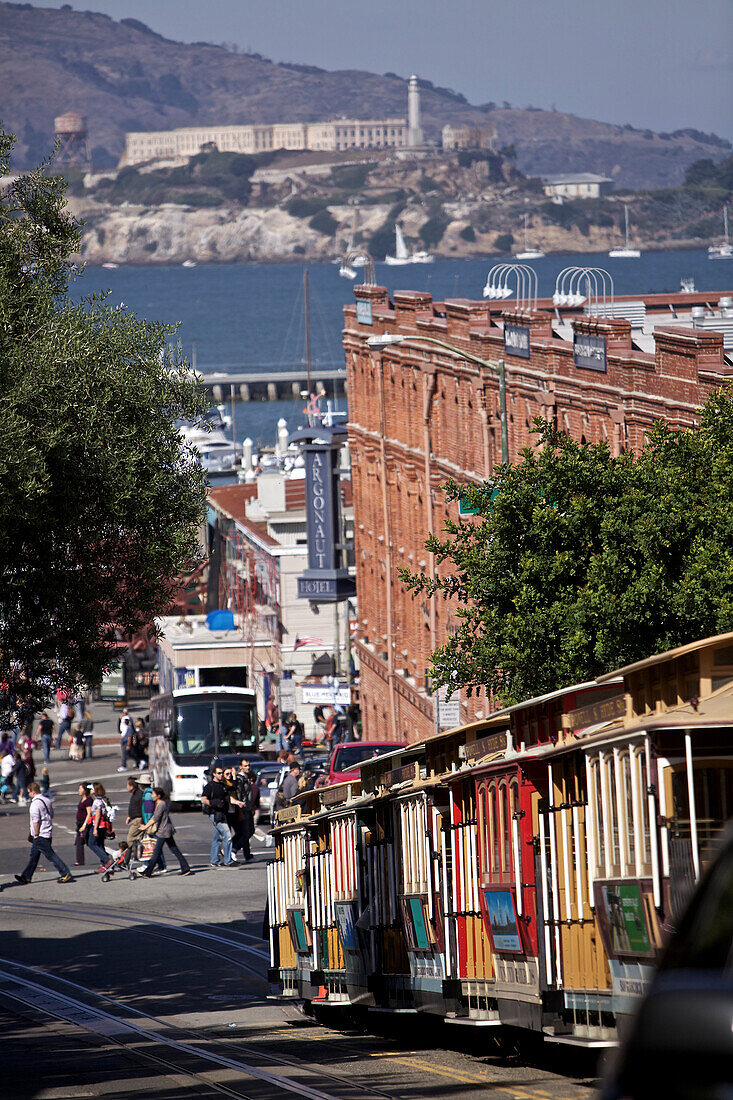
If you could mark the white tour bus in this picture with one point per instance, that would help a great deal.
(191, 726)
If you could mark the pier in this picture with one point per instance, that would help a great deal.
(260, 384)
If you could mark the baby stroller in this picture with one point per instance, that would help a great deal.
(129, 861)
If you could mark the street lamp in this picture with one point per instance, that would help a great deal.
(494, 365)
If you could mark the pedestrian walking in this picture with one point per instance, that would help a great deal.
(21, 778)
(161, 826)
(126, 730)
(98, 826)
(216, 804)
(82, 809)
(76, 745)
(87, 729)
(145, 781)
(44, 733)
(140, 744)
(7, 776)
(134, 819)
(65, 713)
(40, 836)
(246, 792)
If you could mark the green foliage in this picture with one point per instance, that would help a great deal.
(433, 229)
(194, 198)
(705, 173)
(503, 242)
(306, 206)
(382, 241)
(467, 233)
(207, 179)
(351, 177)
(98, 504)
(324, 222)
(583, 562)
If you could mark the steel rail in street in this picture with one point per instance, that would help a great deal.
(37, 992)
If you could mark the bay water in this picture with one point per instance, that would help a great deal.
(250, 315)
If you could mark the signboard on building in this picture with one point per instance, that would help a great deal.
(589, 351)
(185, 677)
(326, 579)
(363, 311)
(449, 710)
(516, 340)
(288, 698)
(326, 693)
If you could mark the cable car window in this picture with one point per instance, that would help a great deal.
(507, 826)
(625, 777)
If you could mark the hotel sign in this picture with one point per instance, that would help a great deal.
(516, 340)
(589, 351)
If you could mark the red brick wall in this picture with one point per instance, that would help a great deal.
(387, 399)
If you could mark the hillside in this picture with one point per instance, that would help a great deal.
(123, 76)
(225, 207)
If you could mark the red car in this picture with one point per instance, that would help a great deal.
(346, 758)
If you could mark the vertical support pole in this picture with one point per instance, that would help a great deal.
(590, 831)
(501, 369)
(693, 811)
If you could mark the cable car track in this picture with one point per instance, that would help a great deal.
(147, 925)
(21, 984)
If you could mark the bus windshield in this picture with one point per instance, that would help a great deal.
(205, 728)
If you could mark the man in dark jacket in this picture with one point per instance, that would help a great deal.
(215, 800)
(246, 789)
(134, 817)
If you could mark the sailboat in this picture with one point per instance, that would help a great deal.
(625, 253)
(402, 256)
(529, 253)
(722, 251)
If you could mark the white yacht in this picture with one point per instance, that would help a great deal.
(627, 252)
(722, 251)
(402, 256)
(529, 253)
(217, 453)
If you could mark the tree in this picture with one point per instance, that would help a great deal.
(99, 504)
(578, 562)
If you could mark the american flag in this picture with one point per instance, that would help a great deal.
(307, 640)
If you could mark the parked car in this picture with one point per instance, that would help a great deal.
(346, 758)
(680, 1043)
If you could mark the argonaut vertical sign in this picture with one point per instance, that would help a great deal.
(325, 579)
(319, 507)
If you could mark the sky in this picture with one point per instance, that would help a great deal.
(657, 64)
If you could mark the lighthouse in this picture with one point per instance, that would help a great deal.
(414, 129)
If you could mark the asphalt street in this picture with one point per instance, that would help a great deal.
(158, 987)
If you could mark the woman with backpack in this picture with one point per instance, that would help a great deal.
(98, 818)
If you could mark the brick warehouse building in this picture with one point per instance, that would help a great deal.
(419, 414)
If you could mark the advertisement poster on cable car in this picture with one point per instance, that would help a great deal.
(623, 908)
(346, 925)
(502, 919)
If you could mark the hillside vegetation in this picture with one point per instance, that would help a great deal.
(460, 204)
